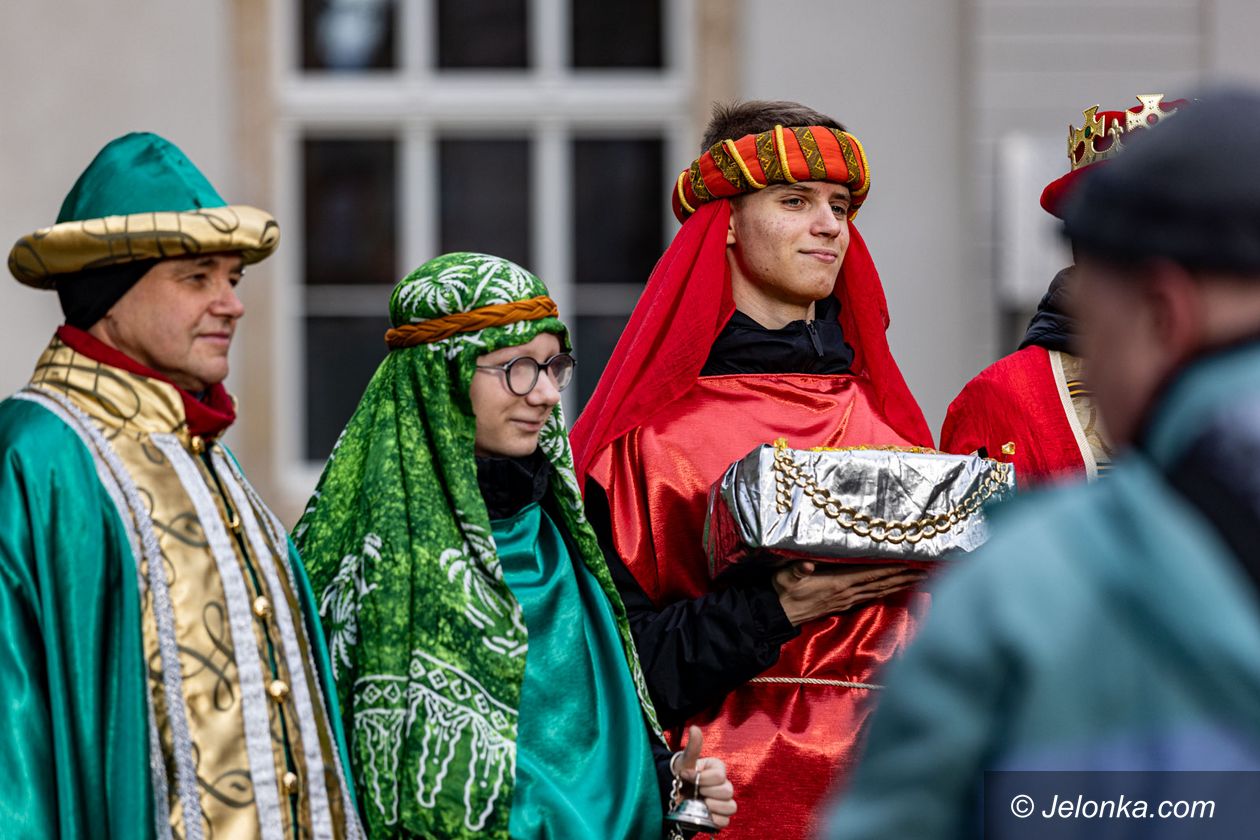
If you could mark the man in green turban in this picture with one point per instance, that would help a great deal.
(162, 668)
(481, 652)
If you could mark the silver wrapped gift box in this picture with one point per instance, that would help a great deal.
(866, 505)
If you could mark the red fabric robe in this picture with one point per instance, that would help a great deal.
(1017, 403)
(784, 743)
(655, 435)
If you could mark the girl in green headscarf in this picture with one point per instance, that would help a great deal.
(482, 656)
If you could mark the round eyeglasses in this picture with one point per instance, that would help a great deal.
(521, 373)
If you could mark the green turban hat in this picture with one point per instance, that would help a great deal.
(140, 199)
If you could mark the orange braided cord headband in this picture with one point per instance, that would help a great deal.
(496, 315)
(780, 156)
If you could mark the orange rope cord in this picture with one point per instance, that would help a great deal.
(497, 315)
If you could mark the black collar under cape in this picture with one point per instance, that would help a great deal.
(1052, 327)
(511, 484)
(816, 347)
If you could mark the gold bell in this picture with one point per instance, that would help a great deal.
(290, 783)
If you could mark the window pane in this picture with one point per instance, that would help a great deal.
(618, 209)
(479, 34)
(594, 338)
(341, 356)
(351, 211)
(348, 35)
(484, 198)
(617, 33)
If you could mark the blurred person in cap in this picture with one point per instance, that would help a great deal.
(162, 668)
(1112, 625)
(1033, 408)
(481, 650)
(765, 318)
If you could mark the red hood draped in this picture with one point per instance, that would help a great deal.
(684, 307)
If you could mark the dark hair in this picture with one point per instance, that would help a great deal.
(733, 120)
(87, 295)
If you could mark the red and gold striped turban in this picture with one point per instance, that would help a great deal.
(779, 156)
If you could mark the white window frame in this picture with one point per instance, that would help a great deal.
(417, 104)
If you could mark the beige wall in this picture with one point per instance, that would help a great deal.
(1230, 40)
(74, 74)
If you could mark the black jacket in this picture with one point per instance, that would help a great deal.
(695, 652)
(816, 346)
(1052, 326)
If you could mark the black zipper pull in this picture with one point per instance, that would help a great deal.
(813, 336)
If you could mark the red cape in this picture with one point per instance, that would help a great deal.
(1017, 402)
(785, 744)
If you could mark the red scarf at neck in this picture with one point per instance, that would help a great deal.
(207, 417)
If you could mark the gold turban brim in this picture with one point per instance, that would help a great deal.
(37, 259)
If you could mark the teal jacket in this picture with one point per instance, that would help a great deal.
(1104, 627)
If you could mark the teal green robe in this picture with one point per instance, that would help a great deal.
(584, 766)
(1104, 627)
(73, 681)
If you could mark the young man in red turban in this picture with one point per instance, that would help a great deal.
(1032, 408)
(765, 318)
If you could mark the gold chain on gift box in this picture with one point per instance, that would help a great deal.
(788, 473)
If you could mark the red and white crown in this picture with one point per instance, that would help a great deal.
(1103, 136)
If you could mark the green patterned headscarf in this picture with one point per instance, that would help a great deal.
(428, 643)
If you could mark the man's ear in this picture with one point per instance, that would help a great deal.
(730, 227)
(1177, 308)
